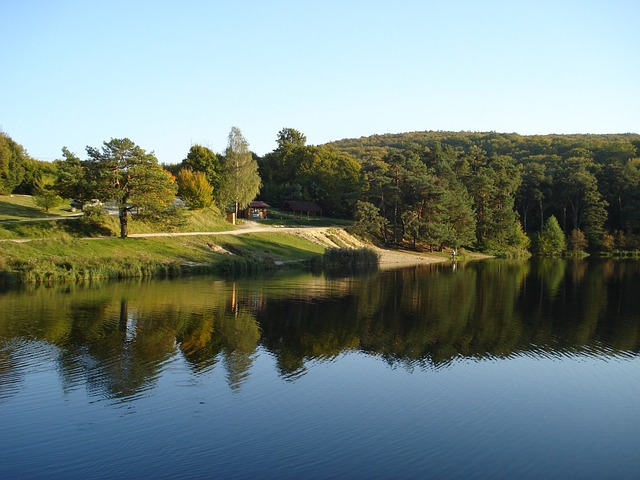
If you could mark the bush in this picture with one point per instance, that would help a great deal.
(551, 241)
(347, 260)
(194, 188)
(607, 242)
(47, 199)
(93, 222)
(578, 241)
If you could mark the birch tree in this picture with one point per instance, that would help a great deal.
(240, 178)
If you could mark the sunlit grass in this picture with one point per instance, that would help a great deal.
(58, 249)
(21, 218)
(279, 246)
(71, 260)
(22, 207)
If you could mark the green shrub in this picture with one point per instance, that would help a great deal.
(346, 260)
(551, 241)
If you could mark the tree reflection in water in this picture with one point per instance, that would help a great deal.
(117, 338)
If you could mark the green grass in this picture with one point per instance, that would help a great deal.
(33, 229)
(73, 260)
(61, 251)
(276, 246)
(207, 220)
(22, 207)
(20, 218)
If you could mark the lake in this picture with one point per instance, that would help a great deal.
(492, 369)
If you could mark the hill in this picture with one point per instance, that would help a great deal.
(602, 146)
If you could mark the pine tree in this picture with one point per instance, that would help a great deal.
(551, 241)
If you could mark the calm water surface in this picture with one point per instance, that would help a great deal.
(486, 370)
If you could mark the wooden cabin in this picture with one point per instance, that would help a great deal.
(256, 210)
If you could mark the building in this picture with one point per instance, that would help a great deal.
(256, 210)
(297, 206)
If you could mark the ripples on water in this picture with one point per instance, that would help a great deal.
(376, 377)
(19, 357)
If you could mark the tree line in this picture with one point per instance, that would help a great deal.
(128, 176)
(588, 184)
(496, 192)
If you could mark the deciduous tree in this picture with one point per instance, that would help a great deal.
(577, 241)
(579, 191)
(322, 174)
(368, 221)
(45, 196)
(194, 188)
(203, 159)
(12, 159)
(71, 177)
(291, 136)
(240, 178)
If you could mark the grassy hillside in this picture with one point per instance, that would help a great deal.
(44, 248)
(21, 218)
(71, 260)
(22, 207)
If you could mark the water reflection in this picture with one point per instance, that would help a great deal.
(117, 339)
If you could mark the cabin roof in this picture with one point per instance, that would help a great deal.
(258, 204)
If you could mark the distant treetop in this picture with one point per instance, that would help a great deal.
(601, 146)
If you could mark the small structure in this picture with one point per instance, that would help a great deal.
(256, 210)
(302, 207)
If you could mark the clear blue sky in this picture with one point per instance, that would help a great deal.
(169, 74)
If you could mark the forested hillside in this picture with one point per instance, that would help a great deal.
(518, 146)
(440, 186)
(496, 192)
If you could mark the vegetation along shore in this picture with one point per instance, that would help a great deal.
(248, 248)
(425, 194)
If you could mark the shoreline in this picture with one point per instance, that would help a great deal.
(399, 258)
(35, 261)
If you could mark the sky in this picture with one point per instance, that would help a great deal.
(171, 74)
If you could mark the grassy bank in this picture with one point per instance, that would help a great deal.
(21, 218)
(81, 260)
(22, 207)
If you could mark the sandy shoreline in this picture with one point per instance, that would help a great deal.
(397, 258)
(338, 237)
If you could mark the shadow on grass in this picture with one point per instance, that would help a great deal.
(75, 227)
(22, 211)
(288, 219)
(255, 246)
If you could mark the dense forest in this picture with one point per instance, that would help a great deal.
(491, 191)
(497, 192)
